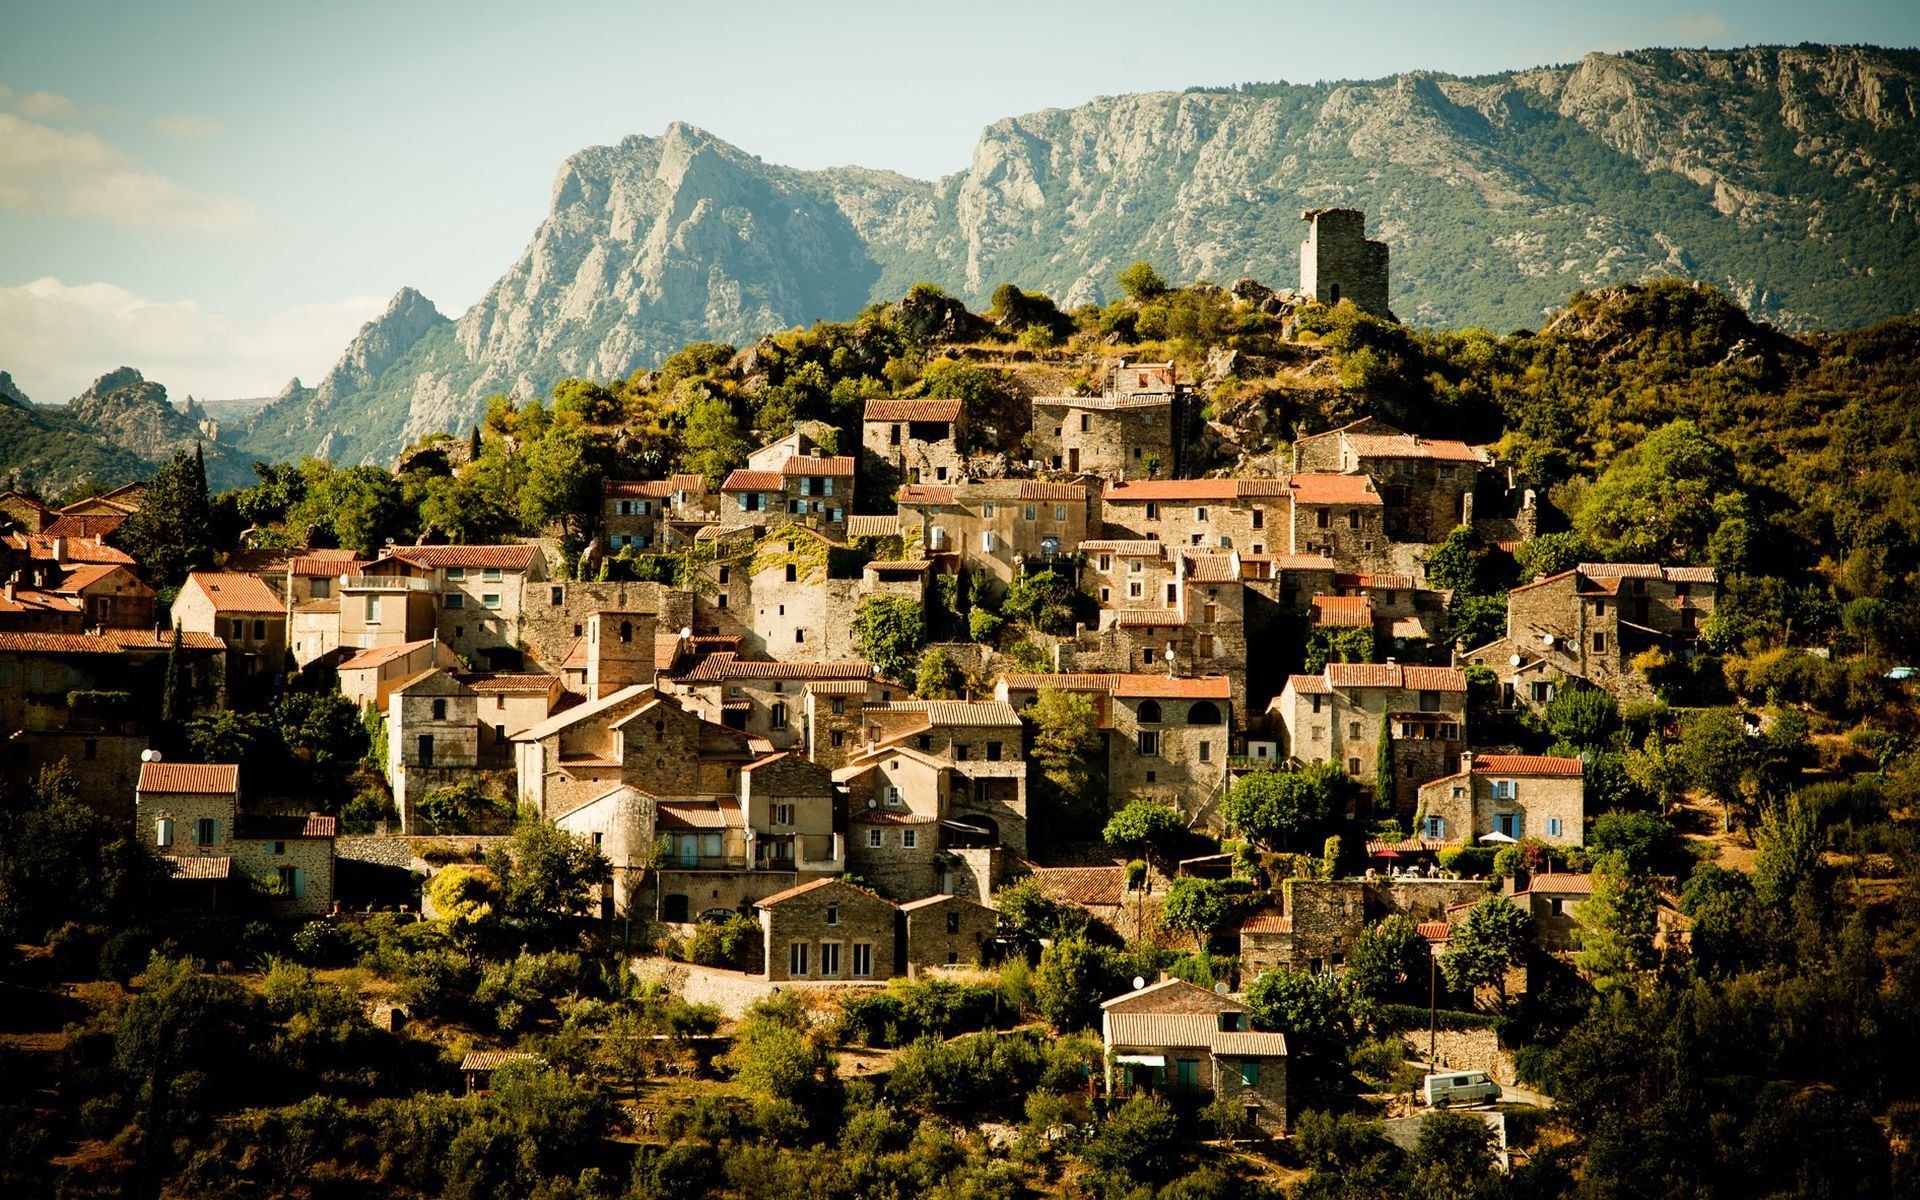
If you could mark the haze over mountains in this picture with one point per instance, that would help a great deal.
(1786, 176)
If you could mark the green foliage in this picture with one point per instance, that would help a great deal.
(546, 874)
(1143, 822)
(172, 531)
(1287, 808)
(1029, 916)
(1716, 750)
(890, 630)
(1066, 737)
(726, 943)
(1043, 600)
(1313, 1009)
(1141, 282)
(1550, 554)
(1074, 976)
(1201, 907)
(1137, 1140)
(1388, 960)
(62, 861)
(1491, 939)
(1645, 843)
(1585, 718)
(1657, 501)
(983, 626)
(1617, 924)
(464, 893)
(1338, 643)
(1789, 844)
(939, 677)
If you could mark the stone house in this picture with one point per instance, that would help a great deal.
(652, 514)
(109, 594)
(896, 799)
(188, 815)
(435, 739)
(1341, 517)
(1339, 262)
(1187, 1043)
(367, 677)
(1130, 429)
(915, 440)
(1426, 485)
(999, 528)
(827, 929)
(553, 620)
(765, 699)
(981, 741)
(832, 711)
(481, 592)
(30, 610)
(1196, 626)
(1553, 901)
(948, 931)
(241, 610)
(789, 808)
(1220, 514)
(1588, 624)
(1514, 795)
(1127, 573)
(1337, 716)
(791, 482)
(1405, 617)
(389, 603)
(1318, 920)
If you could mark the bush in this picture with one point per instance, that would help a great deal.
(984, 626)
(1467, 860)
(323, 944)
(723, 945)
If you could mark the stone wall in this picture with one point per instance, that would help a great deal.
(861, 919)
(1463, 1050)
(949, 932)
(1338, 262)
(548, 629)
(1102, 440)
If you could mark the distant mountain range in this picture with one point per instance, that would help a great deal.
(1790, 177)
(119, 429)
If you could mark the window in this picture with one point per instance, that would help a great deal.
(830, 959)
(1353, 518)
(1135, 589)
(1322, 518)
(833, 914)
(1316, 704)
(1429, 701)
(499, 733)
(1599, 643)
(439, 710)
(1032, 512)
(909, 838)
(163, 832)
(1250, 1074)
(893, 795)
(1259, 518)
(839, 705)
(626, 631)
(1173, 595)
(1557, 907)
(799, 636)
(557, 595)
(838, 737)
(425, 748)
(1200, 514)
(1146, 656)
(778, 718)
(862, 960)
(206, 832)
(1353, 767)
(1435, 829)
(90, 749)
(1353, 730)
(797, 958)
(1059, 512)
(456, 572)
(986, 508)
(953, 922)
(1153, 511)
(1150, 743)
(723, 600)
(1511, 824)
(961, 751)
(875, 838)
(1086, 423)
(793, 573)
(1599, 608)
(993, 751)
(1106, 594)
(291, 883)
(986, 541)
(1149, 712)
(1503, 789)
(1553, 826)
(1206, 751)
(783, 814)
(490, 573)
(490, 599)
(723, 574)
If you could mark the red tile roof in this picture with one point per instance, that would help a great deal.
(1162, 687)
(1410, 445)
(325, 566)
(1561, 885)
(1127, 547)
(1269, 920)
(814, 886)
(861, 525)
(807, 464)
(92, 525)
(1033, 489)
(196, 779)
(493, 1060)
(1408, 846)
(1343, 610)
(926, 493)
(947, 411)
(1091, 886)
(198, 866)
(159, 639)
(380, 656)
(1309, 685)
(518, 557)
(1213, 568)
(509, 681)
(636, 487)
(1334, 489)
(32, 600)
(1385, 675)
(753, 481)
(1525, 764)
(1148, 618)
(275, 828)
(1434, 931)
(56, 643)
(1168, 491)
(723, 665)
(1544, 580)
(1383, 582)
(697, 814)
(77, 549)
(231, 592)
(85, 575)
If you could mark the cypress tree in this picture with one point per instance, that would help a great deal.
(473, 445)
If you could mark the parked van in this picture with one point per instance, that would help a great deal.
(1466, 1087)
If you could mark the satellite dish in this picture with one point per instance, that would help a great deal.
(1546, 639)
(1138, 983)
(149, 756)
(1515, 660)
(686, 631)
(872, 803)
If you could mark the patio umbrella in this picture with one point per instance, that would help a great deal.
(1497, 836)
(1389, 852)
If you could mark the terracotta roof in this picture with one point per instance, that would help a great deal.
(882, 816)
(942, 898)
(33, 600)
(1343, 610)
(195, 779)
(1434, 931)
(724, 665)
(1309, 685)
(232, 592)
(1408, 846)
(490, 1060)
(1525, 764)
(1302, 562)
(861, 525)
(380, 656)
(1543, 581)
(198, 866)
(1139, 547)
(719, 530)
(1408, 627)
(1334, 489)
(92, 525)
(838, 687)
(926, 493)
(1148, 618)
(947, 411)
(1692, 575)
(666, 650)
(325, 565)
(85, 575)
(270, 827)
(1382, 582)
(1162, 687)
(509, 681)
(1159, 1029)
(1170, 491)
(909, 565)
(1386, 675)
(78, 549)
(581, 712)
(56, 643)
(964, 713)
(1239, 1044)
(660, 488)
(1034, 489)
(159, 639)
(1410, 445)
(1093, 886)
(1267, 920)
(1213, 568)
(1556, 884)
(1084, 682)
(517, 557)
(697, 814)
(753, 481)
(814, 886)
(807, 464)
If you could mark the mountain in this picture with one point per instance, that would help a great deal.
(50, 450)
(1783, 175)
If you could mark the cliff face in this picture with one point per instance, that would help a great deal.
(1789, 177)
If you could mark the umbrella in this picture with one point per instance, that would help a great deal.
(1497, 836)
(1388, 852)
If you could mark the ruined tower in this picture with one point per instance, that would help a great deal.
(1337, 262)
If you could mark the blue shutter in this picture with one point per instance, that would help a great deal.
(299, 883)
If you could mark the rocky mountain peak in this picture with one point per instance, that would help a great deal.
(10, 392)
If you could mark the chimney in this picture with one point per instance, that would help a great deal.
(1466, 761)
(13, 591)
(60, 549)
(1391, 662)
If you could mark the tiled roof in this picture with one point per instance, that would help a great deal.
(189, 779)
(1303, 562)
(1267, 920)
(1692, 575)
(158, 639)
(1378, 582)
(1597, 571)
(508, 681)
(816, 885)
(329, 605)
(1095, 886)
(1334, 489)
(77, 550)
(697, 814)
(753, 481)
(198, 866)
(1525, 764)
(807, 464)
(942, 898)
(1034, 489)
(1171, 491)
(324, 566)
(1407, 846)
(1561, 885)
(516, 557)
(882, 816)
(1392, 675)
(1213, 568)
(838, 687)
(1343, 610)
(861, 525)
(1309, 685)
(637, 487)
(1140, 547)
(719, 530)
(1162, 1028)
(32, 600)
(724, 665)
(1410, 445)
(1162, 687)
(380, 656)
(93, 525)
(1339, 429)
(1543, 581)
(909, 565)
(490, 1060)
(1408, 627)
(1147, 618)
(927, 493)
(56, 643)
(261, 828)
(1238, 1044)
(966, 713)
(1156, 399)
(230, 592)
(1084, 682)
(1434, 931)
(947, 411)
(581, 712)
(666, 649)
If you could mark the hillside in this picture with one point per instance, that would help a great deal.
(118, 430)
(1782, 176)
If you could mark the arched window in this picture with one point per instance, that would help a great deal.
(1149, 711)
(1203, 712)
(1333, 294)
(626, 631)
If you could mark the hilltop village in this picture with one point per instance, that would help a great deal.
(1267, 755)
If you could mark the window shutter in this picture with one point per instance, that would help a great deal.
(299, 883)
(216, 832)
(163, 832)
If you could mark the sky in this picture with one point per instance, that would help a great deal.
(220, 193)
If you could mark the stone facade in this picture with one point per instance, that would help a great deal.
(1337, 717)
(1250, 515)
(827, 930)
(1338, 262)
(240, 610)
(1320, 918)
(1183, 1041)
(1342, 518)
(1519, 796)
(946, 931)
(186, 812)
(1130, 430)
(998, 528)
(915, 441)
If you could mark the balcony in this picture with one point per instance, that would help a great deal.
(383, 583)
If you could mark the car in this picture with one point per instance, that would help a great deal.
(715, 916)
(1459, 1087)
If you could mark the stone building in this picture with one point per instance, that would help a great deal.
(240, 610)
(188, 815)
(1196, 626)
(915, 441)
(981, 741)
(1318, 920)
(482, 592)
(896, 799)
(1426, 485)
(1189, 1044)
(1337, 716)
(1127, 572)
(109, 595)
(1131, 429)
(652, 514)
(789, 804)
(1340, 517)
(389, 603)
(765, 699)
(998, 528)
(1338, 262)
(791, 482)
(1588, 625)
(1251, 515)
(368, 677)
(554, 616)
(1512, 795)
(948, 931)
(827, 929)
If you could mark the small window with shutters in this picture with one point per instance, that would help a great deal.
(163, 832)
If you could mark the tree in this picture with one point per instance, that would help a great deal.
(1029, 915)
(711, 435)
(1146, 823)
(562, 485)
(1717, 752)
(890, 631)
(1491, 939)
(1644, 842)
(62, 861)
(1550, 554)
(1459, 564)
(1286, 808)
(1583, 717)
(1141, 282)
(1656, 502)
(1385, 784)
(1453, 1156)
(1476, 620)
(547, 873)
(1066, 737)
(175, 1021)
(1199, 907)
(1042, 599)
(463, 893)
(1140, 1139)
(174, 702)
(1617, 924)
(1308, 1006)
(1388, 958)
(1074, 976)
(465, 511)
(171, 533)
(939, 677)
(1789, 843)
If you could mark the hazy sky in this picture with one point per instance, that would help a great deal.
(219, 193)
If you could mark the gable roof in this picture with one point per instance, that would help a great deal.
(814, 886)
(1410, 445)
(862, 525)
(1199, 1030)
(380, 656)
(1343, 610)
(945, 411)
(1556, 884)
(1174, 991)
(1334, 489)
(825, 464)
(964, 713)
(744, 480)
(515, 557)
(926, 493)
(942, 898)
(1525, 764)
(35, 600)
(1100, 887)
(1394, 675)
(724, 665)
(582, 712)
(195, 779)
(231, 592)
(1037, 489)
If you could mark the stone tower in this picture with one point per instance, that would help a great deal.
(1337, 262)
(619, 651)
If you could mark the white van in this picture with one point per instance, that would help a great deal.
(1465, 1087)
